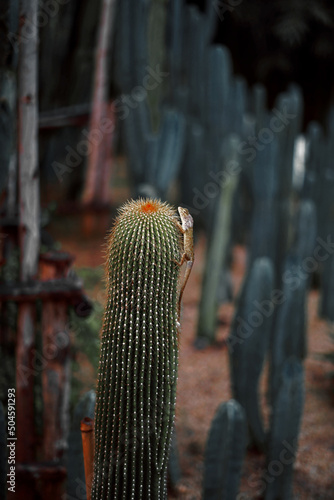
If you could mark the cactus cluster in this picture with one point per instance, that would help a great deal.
(204, 103)
(139, 354)
(154, 131)
(274, 323)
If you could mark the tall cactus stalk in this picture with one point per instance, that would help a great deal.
(218, 244)
(284, 430)
(225, 452)
(249, 342)
(139, 354)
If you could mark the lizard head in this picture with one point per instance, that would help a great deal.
(186, 218)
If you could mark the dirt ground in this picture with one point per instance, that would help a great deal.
(204, 383)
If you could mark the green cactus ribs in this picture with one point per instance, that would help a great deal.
(139, 354)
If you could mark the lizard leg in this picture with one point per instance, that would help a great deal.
(180, 227)
(181, 261)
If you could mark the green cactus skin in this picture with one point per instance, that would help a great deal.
(225, 451)
(284, 430)
(249, 343)
(290, 329)
(139, 355)
(75, 459)
(174, 470)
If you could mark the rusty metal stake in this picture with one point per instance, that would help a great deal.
(87, 435)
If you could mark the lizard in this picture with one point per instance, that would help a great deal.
(186, 228)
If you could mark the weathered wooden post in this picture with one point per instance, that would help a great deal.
(29, 219)
(55, 359)
(8, 157)
(87, 435)
(100, 123)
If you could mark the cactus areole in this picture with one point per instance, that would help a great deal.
(139, 354)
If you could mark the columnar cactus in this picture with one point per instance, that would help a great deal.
(75, 467)
(284, 430)
(218, 243)
(249, 342)
(289, 338)
(139, 354)
(225, 452)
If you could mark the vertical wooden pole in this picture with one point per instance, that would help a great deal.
(104, 180)
(55, 379)
(87, 435)
(98, 132)
(29, 217)
(28, 139)
(56, 361)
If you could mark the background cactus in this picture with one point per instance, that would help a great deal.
(325, 209)
(174, 470)
(225, 451)
(249, 342)
(290, 329)
(75, 461)
(218, 243)
(284, 430)
(289, 336)
(139, 354)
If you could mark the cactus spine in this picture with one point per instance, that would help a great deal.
(139, 355)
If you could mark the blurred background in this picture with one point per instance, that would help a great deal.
(225, 108)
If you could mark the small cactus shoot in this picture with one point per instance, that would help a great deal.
(139, 354)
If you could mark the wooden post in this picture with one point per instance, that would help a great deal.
(55, 360)
(27, 139)
(98, 124)
(87, 435)
(29, 218)
(103, 181)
